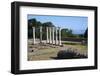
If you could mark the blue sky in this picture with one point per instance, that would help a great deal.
(77, 23)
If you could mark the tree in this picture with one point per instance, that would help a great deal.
(31, 23)
(46, 24)
(34, 23)
(86, 33)
(67, 33)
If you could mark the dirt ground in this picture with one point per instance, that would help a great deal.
(49, 51)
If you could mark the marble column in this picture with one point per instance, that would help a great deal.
(52, 35)
(40, 34)
(33, 35)
(47, 41)
(59, 35)
(56, 41)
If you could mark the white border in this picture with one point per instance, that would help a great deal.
(26, 65)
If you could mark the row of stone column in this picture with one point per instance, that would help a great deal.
(53, 35)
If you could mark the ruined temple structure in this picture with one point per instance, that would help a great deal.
(53, 35)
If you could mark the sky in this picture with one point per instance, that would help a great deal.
(78, 24)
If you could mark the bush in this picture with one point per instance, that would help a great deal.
(69, 54)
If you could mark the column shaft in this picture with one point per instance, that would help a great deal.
(50, 34)
(33, 35)
(40, 34)
(56, 41)
(47, 35)
(60, 36)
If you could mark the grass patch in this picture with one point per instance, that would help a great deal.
(70, 43)
(77, 45)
